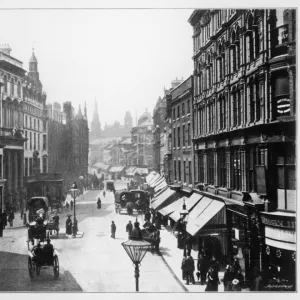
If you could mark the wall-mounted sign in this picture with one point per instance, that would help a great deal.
(276, 222)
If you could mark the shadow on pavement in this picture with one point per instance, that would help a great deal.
(14, 276)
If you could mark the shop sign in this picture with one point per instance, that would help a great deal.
(284, 223)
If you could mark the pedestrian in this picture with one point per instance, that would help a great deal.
(212, 280)
(236, 265)
(22, 212)
(238, 281)
(4, 219)
(228, 278)
(1, 224)
(189, 246)
(67, 205)
(104, 193)
(157, 241)
(69, 226)
(113, 229)
(214, 263)
(202, 267)
(11, 218)
(56, 222)
(147, 215)
(99, 203)
(183, 268)
(190, 268)
(72, 203)
(129, 228)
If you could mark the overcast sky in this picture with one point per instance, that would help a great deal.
(124, 58)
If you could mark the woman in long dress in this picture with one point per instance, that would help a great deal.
(69, 226)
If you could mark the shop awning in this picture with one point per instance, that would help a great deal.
(190, 203)
(157, 181)
(150, 176)
(160, 186)
(205, 210)
(154, 179)
(160, 199)
(281, 245)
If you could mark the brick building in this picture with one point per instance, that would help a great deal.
(244, 131)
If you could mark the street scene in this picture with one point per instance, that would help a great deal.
(148, 150)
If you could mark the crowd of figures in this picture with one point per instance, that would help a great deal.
(6, 218)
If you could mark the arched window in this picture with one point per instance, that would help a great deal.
(19, 89)
(208, 72)
(239, 39)
(12, 86)
(249, 40)
(5, 83)
(232, 53)
(220, 63)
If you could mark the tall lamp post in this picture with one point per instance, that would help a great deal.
(136, 248)
(74, 192)
(184, 215)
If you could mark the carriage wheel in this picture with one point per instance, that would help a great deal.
(31, 268)
(56, 267)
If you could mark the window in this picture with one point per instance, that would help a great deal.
(34, 142)
(183, 109)
(45, 164)
(34, 123)
(178, 137)
(38, 125)
(251, 163)
(179, 170)
(12, 87)
(184, 171)
(188, 107)
(280, 31)
(183, 135)
(19, 89)
(26, 167)
(175, 170)
(30, 167)
(189, 134)
(30, 140)
(178, 111)
(234, 108)
(222, 112)
(222, 173)
(44, 142)
(236, 166)
(286, 178)
(38, 145)
(210, 168)
(174, 137)
(1, 168)
(190, 172)
(5, 83)
(281, 94)
(174, 116)
(239, 109)
(201, 168)
(26, 121)
(252, 102)
(30, 122)
(26, 139)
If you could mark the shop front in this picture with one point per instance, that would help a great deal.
(280, 250)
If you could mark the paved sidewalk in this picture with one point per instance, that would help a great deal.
(173, 258)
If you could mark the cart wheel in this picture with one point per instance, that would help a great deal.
(56, 267)
(31, 268)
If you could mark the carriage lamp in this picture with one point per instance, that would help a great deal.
(184, 215)
(74, 192)
(136, 248)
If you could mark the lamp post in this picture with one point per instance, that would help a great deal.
(74, 191)
(136, 249)
(184, 215)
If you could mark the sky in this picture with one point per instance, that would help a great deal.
(123, 58)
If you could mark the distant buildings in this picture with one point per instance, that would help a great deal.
(109, 131)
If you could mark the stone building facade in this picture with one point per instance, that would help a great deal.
(244, 130)
(11, 130)
(181, 126)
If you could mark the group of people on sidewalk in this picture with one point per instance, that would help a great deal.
(4, 218)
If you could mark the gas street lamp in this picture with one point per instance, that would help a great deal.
(184, 215)
(74, 192)
(136, 249)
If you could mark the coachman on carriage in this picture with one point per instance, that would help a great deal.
(40, 255)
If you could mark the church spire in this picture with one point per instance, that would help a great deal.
(85, 114)
(79, 113)
(96, 115)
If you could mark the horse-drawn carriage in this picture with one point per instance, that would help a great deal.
(39, 227)
(133, 201)
(39, 224)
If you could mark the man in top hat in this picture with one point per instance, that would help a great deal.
(129, 228)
